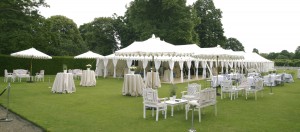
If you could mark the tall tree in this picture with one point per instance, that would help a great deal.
(234, 44)
(100, 35)
(272, 55)
(171, 20)
(255, 50)
(65, 37)
(19, 24)
(210, 30)
(124, 30)
(287, 54)
(297, 53)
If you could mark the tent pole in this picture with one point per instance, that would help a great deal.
(152, 72)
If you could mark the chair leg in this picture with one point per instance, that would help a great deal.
(157, 113)
(144, 111)
(186, 112)
(199, 111)
(166, 109)
(255, 95)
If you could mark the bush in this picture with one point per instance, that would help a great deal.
(51, 66)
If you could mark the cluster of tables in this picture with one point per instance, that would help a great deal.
(133, 83)
(64, 82)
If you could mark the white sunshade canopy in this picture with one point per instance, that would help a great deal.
(151, 47)
(217, 52)
(31, 53)
(88, 55)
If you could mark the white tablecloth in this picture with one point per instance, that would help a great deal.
(88, 78)
(253, 74)
(167, 75)
(63, 83)
(133, 85)
(288, 78)
(214, 80)
(156, 80)
(269, 80)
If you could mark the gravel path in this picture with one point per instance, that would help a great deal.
(17, 124)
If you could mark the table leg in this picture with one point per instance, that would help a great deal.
(172, 109)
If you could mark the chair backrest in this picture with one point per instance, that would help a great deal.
(5, 72)
(193, 89)
(259, 84)
(150, 96)
(226, 85)
(207, 95)
(244, 83)
(42, 72)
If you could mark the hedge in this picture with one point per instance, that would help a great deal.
(51, 66)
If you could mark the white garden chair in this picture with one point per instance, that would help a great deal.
(207, 97)
(226, 87)
(192, 91)
(40, 76)
(258, 87)
(152, 101)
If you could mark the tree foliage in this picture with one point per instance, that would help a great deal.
(171, 20)
(21, 26)
(210, 30)
(255, 50)
(233, 44)
(99, 35)
(65, 37)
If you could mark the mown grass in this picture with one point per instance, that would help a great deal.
(104, 108)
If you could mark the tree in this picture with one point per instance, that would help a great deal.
(255, 50)
(272, 55)
(65, 37)
(171, 20)
(124, 31)
(210, 30)
(20, 24)
(297, 53)
(287, 54)
(233, 44)
(99, 35)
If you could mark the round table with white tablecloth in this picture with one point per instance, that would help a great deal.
(155, 79)
(167, 75)
(88, 78)
(216, 83)
(63, 83)
(133, 85)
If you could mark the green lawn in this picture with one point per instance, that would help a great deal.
(104, 108)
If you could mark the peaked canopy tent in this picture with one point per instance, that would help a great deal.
(216, 54)
(254, 60)
(31, 53)
(153, 47)
(89, 55)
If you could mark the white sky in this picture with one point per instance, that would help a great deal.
(268, 25)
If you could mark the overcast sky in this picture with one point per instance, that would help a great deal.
(268, 25)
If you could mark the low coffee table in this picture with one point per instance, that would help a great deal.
(175, 102)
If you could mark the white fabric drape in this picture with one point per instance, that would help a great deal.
(145, 63)
(129, 62)
(105, 61)
(211, 63)
(181, 68)
(203, 63)
(189, 63)
(196, 66)
(157, 65)
(222, 65)
(115, 61)
(226, 65)
(171, 65)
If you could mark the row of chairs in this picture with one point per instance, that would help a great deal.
(243, 86)
(20, 73)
